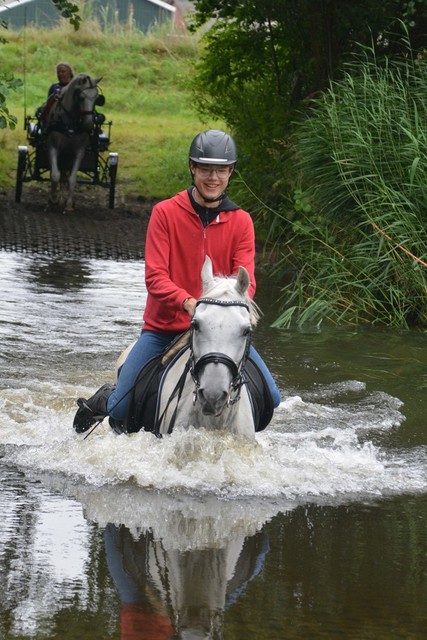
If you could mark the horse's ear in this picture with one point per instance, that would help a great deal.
(97, 80)
(207, 274)
(243, 281)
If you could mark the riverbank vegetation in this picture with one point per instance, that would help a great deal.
(331, 131)
(328, 101)
(359, 239)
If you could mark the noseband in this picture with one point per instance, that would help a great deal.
(216, 357)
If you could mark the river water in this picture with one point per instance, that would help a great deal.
(315, 530)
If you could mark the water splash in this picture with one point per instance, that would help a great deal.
(311, 450)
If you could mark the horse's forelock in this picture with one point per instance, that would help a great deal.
(225, 288)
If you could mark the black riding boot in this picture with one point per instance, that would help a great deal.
(92, 410)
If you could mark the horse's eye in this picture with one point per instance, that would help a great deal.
(247, 331)
(194, 324)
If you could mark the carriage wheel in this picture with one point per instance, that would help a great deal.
(20, 171)
(112, 169)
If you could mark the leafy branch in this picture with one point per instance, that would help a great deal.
(70, 11)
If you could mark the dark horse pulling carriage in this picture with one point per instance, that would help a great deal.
(69, 144)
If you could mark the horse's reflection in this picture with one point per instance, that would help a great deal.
(167, 593)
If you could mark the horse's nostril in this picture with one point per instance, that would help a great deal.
(212, 403)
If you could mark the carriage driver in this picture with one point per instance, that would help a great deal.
(200, 221)
(64, 73)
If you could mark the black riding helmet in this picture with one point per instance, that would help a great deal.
(213, 147)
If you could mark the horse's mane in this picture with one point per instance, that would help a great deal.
(225, 289)
(66, 97)
(75, 80)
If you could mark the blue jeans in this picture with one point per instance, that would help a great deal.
(148, 345)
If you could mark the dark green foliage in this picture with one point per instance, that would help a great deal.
(263, 58)
(360, 253)
(7, 84)
(70, 11)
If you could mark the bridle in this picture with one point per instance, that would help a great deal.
(216, 357)
(194, 368)
(76, 98)
(84, 112)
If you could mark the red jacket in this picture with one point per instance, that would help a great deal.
(175, 250)
(138, 624)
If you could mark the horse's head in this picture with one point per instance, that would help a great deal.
(79, 100)
(221, 332)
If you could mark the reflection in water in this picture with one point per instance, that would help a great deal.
(167, 592)
(42, 564)
(144, 613)
(177, 563)
(62, 274)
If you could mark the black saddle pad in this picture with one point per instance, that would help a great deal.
(260, 395)
(142, 409)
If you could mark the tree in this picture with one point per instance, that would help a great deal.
(263, 59)
(8, 83)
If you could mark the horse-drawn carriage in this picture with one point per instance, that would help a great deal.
(71, 144)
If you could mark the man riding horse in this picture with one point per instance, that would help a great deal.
(200, 221)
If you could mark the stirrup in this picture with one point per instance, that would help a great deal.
(117, 426)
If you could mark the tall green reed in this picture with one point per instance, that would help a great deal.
(360, 253)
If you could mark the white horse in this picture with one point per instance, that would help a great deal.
(206, 384)
(69, 124)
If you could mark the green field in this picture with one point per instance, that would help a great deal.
(145, 83)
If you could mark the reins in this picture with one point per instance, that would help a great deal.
(178, 389)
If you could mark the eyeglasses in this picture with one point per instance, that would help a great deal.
(221, 172)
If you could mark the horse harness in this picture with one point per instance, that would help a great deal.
(60, 125)
(237, 370)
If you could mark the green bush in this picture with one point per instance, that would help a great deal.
(360, 251)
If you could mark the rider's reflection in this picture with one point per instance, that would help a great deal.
(168, 594)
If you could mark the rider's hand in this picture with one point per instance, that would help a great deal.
(189, 306)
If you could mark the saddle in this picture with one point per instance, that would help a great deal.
(143, 403)
(143, 408)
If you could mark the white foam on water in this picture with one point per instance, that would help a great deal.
(310, 450)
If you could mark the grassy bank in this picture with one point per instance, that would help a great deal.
(145, 85)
